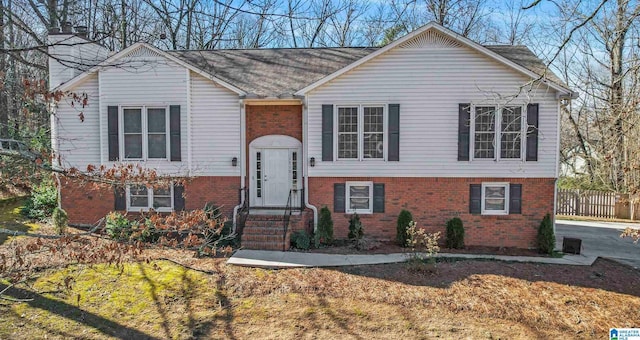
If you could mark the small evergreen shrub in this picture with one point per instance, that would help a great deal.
(404, 218)
(42, 201)
(301, 240)
(356, 230)
(59, 219)
(118, 227)
(455, 233)
(324, 233)
(546, 238)
(227, 229)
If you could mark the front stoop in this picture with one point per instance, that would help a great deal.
(265, 232)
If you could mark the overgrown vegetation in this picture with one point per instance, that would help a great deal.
(455, 233)
(43, 199)
(324, 232)
(59, 219)
(546, 238)
(404, 218)
(301, 240)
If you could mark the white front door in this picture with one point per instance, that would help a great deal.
(276, 178)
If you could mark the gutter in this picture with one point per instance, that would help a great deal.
(305, 169)
(243, 158)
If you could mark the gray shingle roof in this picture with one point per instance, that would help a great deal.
(280, 72)
(277, 72)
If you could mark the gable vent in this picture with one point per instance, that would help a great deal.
(430, 39)
(142, 52)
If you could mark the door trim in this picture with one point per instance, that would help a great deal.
(271, 142)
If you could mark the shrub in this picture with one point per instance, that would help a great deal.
(424, 246)
(356, 230)
(546, 238)
(60, 219)
(404, 218)
(42, 201)
(455, 233)
(324, 233)
(225, 241)
(301, 240)
(118, 227)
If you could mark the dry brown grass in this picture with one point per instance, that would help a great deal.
(466, 299)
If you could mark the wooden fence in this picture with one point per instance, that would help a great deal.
(587, 203)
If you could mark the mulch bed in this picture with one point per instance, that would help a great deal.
(389, 247)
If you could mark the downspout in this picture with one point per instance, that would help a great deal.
(305, 169)
(241, 163)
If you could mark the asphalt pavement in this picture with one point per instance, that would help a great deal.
(601, 239)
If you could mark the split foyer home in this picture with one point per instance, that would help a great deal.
(433, 123)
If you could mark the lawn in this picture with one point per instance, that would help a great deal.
(463, 299)
(173, 295)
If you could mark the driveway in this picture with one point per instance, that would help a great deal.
(601, 239)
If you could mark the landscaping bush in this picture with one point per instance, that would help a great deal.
(455, 233)
(301, 240)
(424, 247)
(42, 201)
(356, 230)
(227, 229)
(324, 233)
(118, 227)
(403, 222)
(60, 219)
(546, 238)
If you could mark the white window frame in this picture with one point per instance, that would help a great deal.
(505, 211)
(497, 137)
(145, 131)
(149, 201)
(360, 109)
(347, 200)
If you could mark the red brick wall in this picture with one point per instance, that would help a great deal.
(432, 201)
(264, 120)
(87, 203)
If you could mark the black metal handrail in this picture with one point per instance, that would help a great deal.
(285, 218)
(243, 213)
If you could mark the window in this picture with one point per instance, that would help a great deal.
(360, 132)
(294, 170)
(144, 132)
(491, 124)
(139, 197)
(258, 174)
(495, 198)
(359, 197)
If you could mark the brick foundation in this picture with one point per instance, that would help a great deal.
(432, 201)
(87, 203)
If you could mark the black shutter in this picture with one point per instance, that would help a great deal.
(532, 132)
(464, 120)
(112, 126)
(394, 132)
(475, 199)
(120, 198)
(327, 132)
(338, 197)
(178, 197)
(515, 199)
(378, 197)
(174, 133)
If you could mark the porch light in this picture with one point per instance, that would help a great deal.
(234, 161)
(312, 161)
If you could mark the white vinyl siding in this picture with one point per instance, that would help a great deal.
(145, 79)
(78, 142)
(215, 127)
(429, 84)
